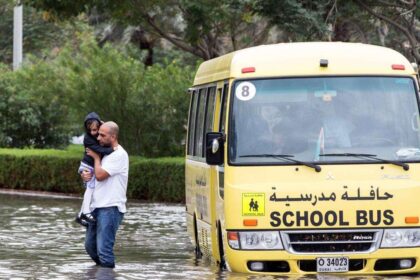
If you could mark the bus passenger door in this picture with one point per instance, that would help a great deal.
(217, 175)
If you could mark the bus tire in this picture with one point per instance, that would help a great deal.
(222, 262)
(197, 250)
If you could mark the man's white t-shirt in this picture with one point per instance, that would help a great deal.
(113, 190)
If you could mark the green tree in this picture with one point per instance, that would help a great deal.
(204, 28)
(33, 107)
(150, 106)
(301, 20)
(40, 35)
(46, 100)
(403, 17)
(393, 23)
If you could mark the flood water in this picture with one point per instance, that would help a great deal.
(39, 240)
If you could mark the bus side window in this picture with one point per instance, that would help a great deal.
(223, 109)
(199, 129)
(191, 128)
(210, 110)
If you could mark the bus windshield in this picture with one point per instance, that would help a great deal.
(324, 119)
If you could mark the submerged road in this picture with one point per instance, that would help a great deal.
(39, 240)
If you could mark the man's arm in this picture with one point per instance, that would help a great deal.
(100, 173)
(91, 143)
(103, 151)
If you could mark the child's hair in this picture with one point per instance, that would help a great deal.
(90, 122)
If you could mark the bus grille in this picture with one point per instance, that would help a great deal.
(337, 241)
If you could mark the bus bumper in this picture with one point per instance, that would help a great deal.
(281, 262)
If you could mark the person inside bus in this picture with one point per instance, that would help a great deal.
(254, 132)
(266, 131)
(270, 116)
(288, 137)
(337, 128)
(277, 139)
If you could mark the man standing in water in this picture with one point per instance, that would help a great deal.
(109, 197)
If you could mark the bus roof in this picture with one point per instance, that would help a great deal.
(303, 59)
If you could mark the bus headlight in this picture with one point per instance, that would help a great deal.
(260, 240)
(413, 237)
(401, 238)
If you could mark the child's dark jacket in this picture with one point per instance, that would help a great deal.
(92, 143)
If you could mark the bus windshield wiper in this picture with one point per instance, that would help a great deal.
(404, 165)
(289, 158)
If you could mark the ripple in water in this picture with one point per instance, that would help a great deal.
(39, 240)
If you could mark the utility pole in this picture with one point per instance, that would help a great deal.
(17, 34)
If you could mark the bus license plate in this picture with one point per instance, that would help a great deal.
(337, 264)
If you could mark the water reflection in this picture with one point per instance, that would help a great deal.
(39, 240)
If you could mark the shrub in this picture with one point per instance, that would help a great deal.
(149, 104)
(157, 179)
(33, 108)
(55, 171)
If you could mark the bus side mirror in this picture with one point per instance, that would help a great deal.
(214, 148)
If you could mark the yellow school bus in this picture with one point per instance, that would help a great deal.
(304, 158)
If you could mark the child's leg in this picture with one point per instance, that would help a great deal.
(87, 199)
(84, 217)
(89, 185)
